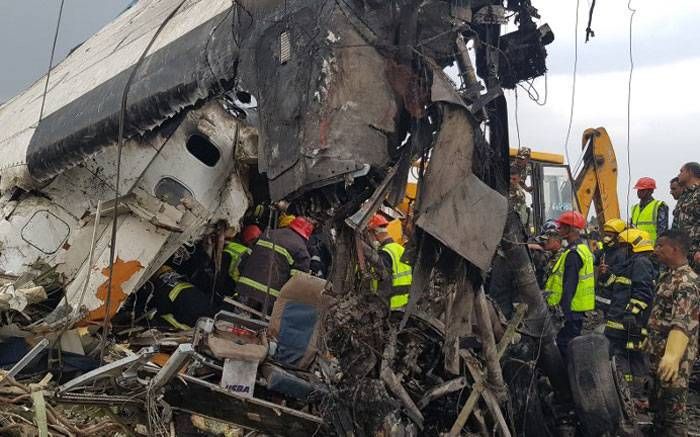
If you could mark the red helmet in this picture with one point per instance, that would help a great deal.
(302, 226)
(377, 221)
(572, 218)
(250, 233)
(645, 184)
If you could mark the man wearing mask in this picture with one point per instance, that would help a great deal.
(609, 261)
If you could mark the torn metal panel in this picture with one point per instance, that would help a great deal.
(329, 109)
(455, 206)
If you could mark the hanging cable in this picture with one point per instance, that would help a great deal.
(629, 110)
(573, 99)
(589, 32)
(53, 52)
(120, 145)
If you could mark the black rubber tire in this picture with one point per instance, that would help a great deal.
(593, 384)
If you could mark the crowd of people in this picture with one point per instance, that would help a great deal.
(642, 279)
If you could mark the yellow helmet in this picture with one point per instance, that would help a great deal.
(285, 219)
(614, 225)
(639, 240)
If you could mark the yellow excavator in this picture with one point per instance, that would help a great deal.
(594, 182)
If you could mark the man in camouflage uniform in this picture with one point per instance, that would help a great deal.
(687, 212)
(516, 197)
(673, 335)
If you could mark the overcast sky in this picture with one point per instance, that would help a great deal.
(665, 115)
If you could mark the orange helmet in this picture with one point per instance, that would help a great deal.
(377, 221)
(250, 233)
(572, 218)
(645, 184)
(302, 226)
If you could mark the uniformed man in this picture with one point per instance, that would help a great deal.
(236, 252)
(571, 285)
(178, 302)
(675, 188)
(673, 335)
(628, 313)
(517, 198)
(546, 251)
(609, 261)
(687, 212)
(649, 215)
(275, 257)
(390, 253)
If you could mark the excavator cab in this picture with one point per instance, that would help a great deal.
(553, 188)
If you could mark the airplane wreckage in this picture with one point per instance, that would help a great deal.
(179, 117)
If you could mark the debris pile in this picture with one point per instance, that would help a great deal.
(243, 115)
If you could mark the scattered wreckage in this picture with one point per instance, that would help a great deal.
(180, 115)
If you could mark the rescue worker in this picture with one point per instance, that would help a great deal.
(649, 215)
(675, 189)
(571, 285)
(687, 210)
(274, 258)
(609, 261)
(516, 197)
(178, 302)
(234, 256)
(546, 251)
(673, 335)
(628, 313)
(390, 254)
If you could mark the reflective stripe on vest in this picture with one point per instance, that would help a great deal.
(646, 219)
(277, 248)
(175, 324)
(401, 274)
(177, 289)
(258, 286)
(236, 252)
(584, 297)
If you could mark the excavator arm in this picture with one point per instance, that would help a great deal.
(595, 182)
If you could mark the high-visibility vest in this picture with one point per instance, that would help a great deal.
(264, 288)
(584, 297)
(646, 219)
(401, 274)
(236, 252)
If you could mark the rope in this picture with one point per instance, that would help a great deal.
(53, 52)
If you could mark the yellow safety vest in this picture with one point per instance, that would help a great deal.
(646, 219)
(236, 252)
(584, 297)
(401, 274)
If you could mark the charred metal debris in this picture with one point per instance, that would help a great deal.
(326, 107)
